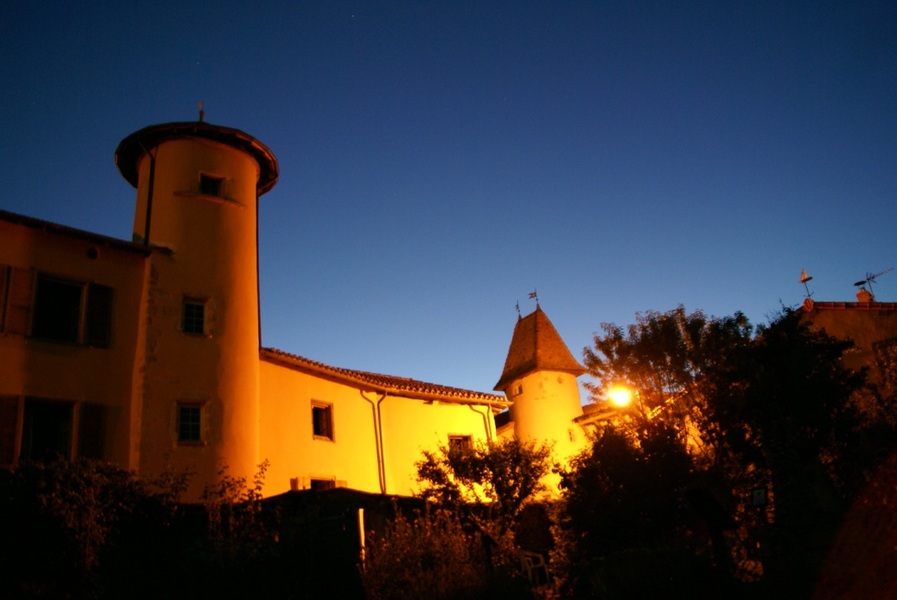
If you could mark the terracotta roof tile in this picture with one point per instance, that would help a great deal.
(536, 345)
(397, 386)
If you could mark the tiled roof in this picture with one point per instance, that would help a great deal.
(396, 386)
(811, 305)
(536, 345)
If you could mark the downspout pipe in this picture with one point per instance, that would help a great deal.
(486, 420)
(149, 194)
(258, 284)
(378, 437)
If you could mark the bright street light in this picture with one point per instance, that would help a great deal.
(619, 395)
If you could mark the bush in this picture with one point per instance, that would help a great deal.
(433, 557)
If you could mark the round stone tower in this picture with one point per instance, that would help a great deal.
(197, 198)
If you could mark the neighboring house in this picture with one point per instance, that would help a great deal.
(147, 353)
(871, 326)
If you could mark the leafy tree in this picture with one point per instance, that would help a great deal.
(773, 410)
(787, 405)
(625, 526)
(488, 484)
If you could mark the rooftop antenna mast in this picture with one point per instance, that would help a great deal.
(804, 278)
(870, 279)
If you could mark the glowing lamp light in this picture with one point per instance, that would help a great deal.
(620, 396)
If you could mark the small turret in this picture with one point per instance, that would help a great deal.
(539, 377)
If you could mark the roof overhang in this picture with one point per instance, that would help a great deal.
(132, 148)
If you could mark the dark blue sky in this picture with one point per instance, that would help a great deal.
(441, 160)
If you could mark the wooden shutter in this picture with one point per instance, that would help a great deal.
(20, 296)
(92, 431)
(99, 316)
(9, 427)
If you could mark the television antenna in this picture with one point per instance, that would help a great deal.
(870, 279)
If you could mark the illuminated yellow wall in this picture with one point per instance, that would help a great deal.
(545, 404)
(66, 372)
(351, 459)
(287, 441)
(411, 426)
(213, 258)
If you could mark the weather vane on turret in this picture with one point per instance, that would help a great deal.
(804, 278)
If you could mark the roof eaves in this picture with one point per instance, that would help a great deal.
(390, 384)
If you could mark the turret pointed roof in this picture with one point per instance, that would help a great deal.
(536, 346)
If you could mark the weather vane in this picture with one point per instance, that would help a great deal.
(804, 278)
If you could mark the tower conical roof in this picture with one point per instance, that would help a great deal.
(536, 346)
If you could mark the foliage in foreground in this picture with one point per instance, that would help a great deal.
(487, 485)
(464, 545)
(432, 556)
(87, 529)
(75, 530)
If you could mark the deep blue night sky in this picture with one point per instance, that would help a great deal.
(439, 161)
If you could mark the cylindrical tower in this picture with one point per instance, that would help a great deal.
(197, 197)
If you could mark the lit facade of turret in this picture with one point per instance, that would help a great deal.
(540, 379)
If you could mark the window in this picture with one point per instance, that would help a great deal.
(460, 443)
(57, 310)
(71, 311)
(189, 423)
(47, 430)
(210, 186)
(194, 320)
(322, 421)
